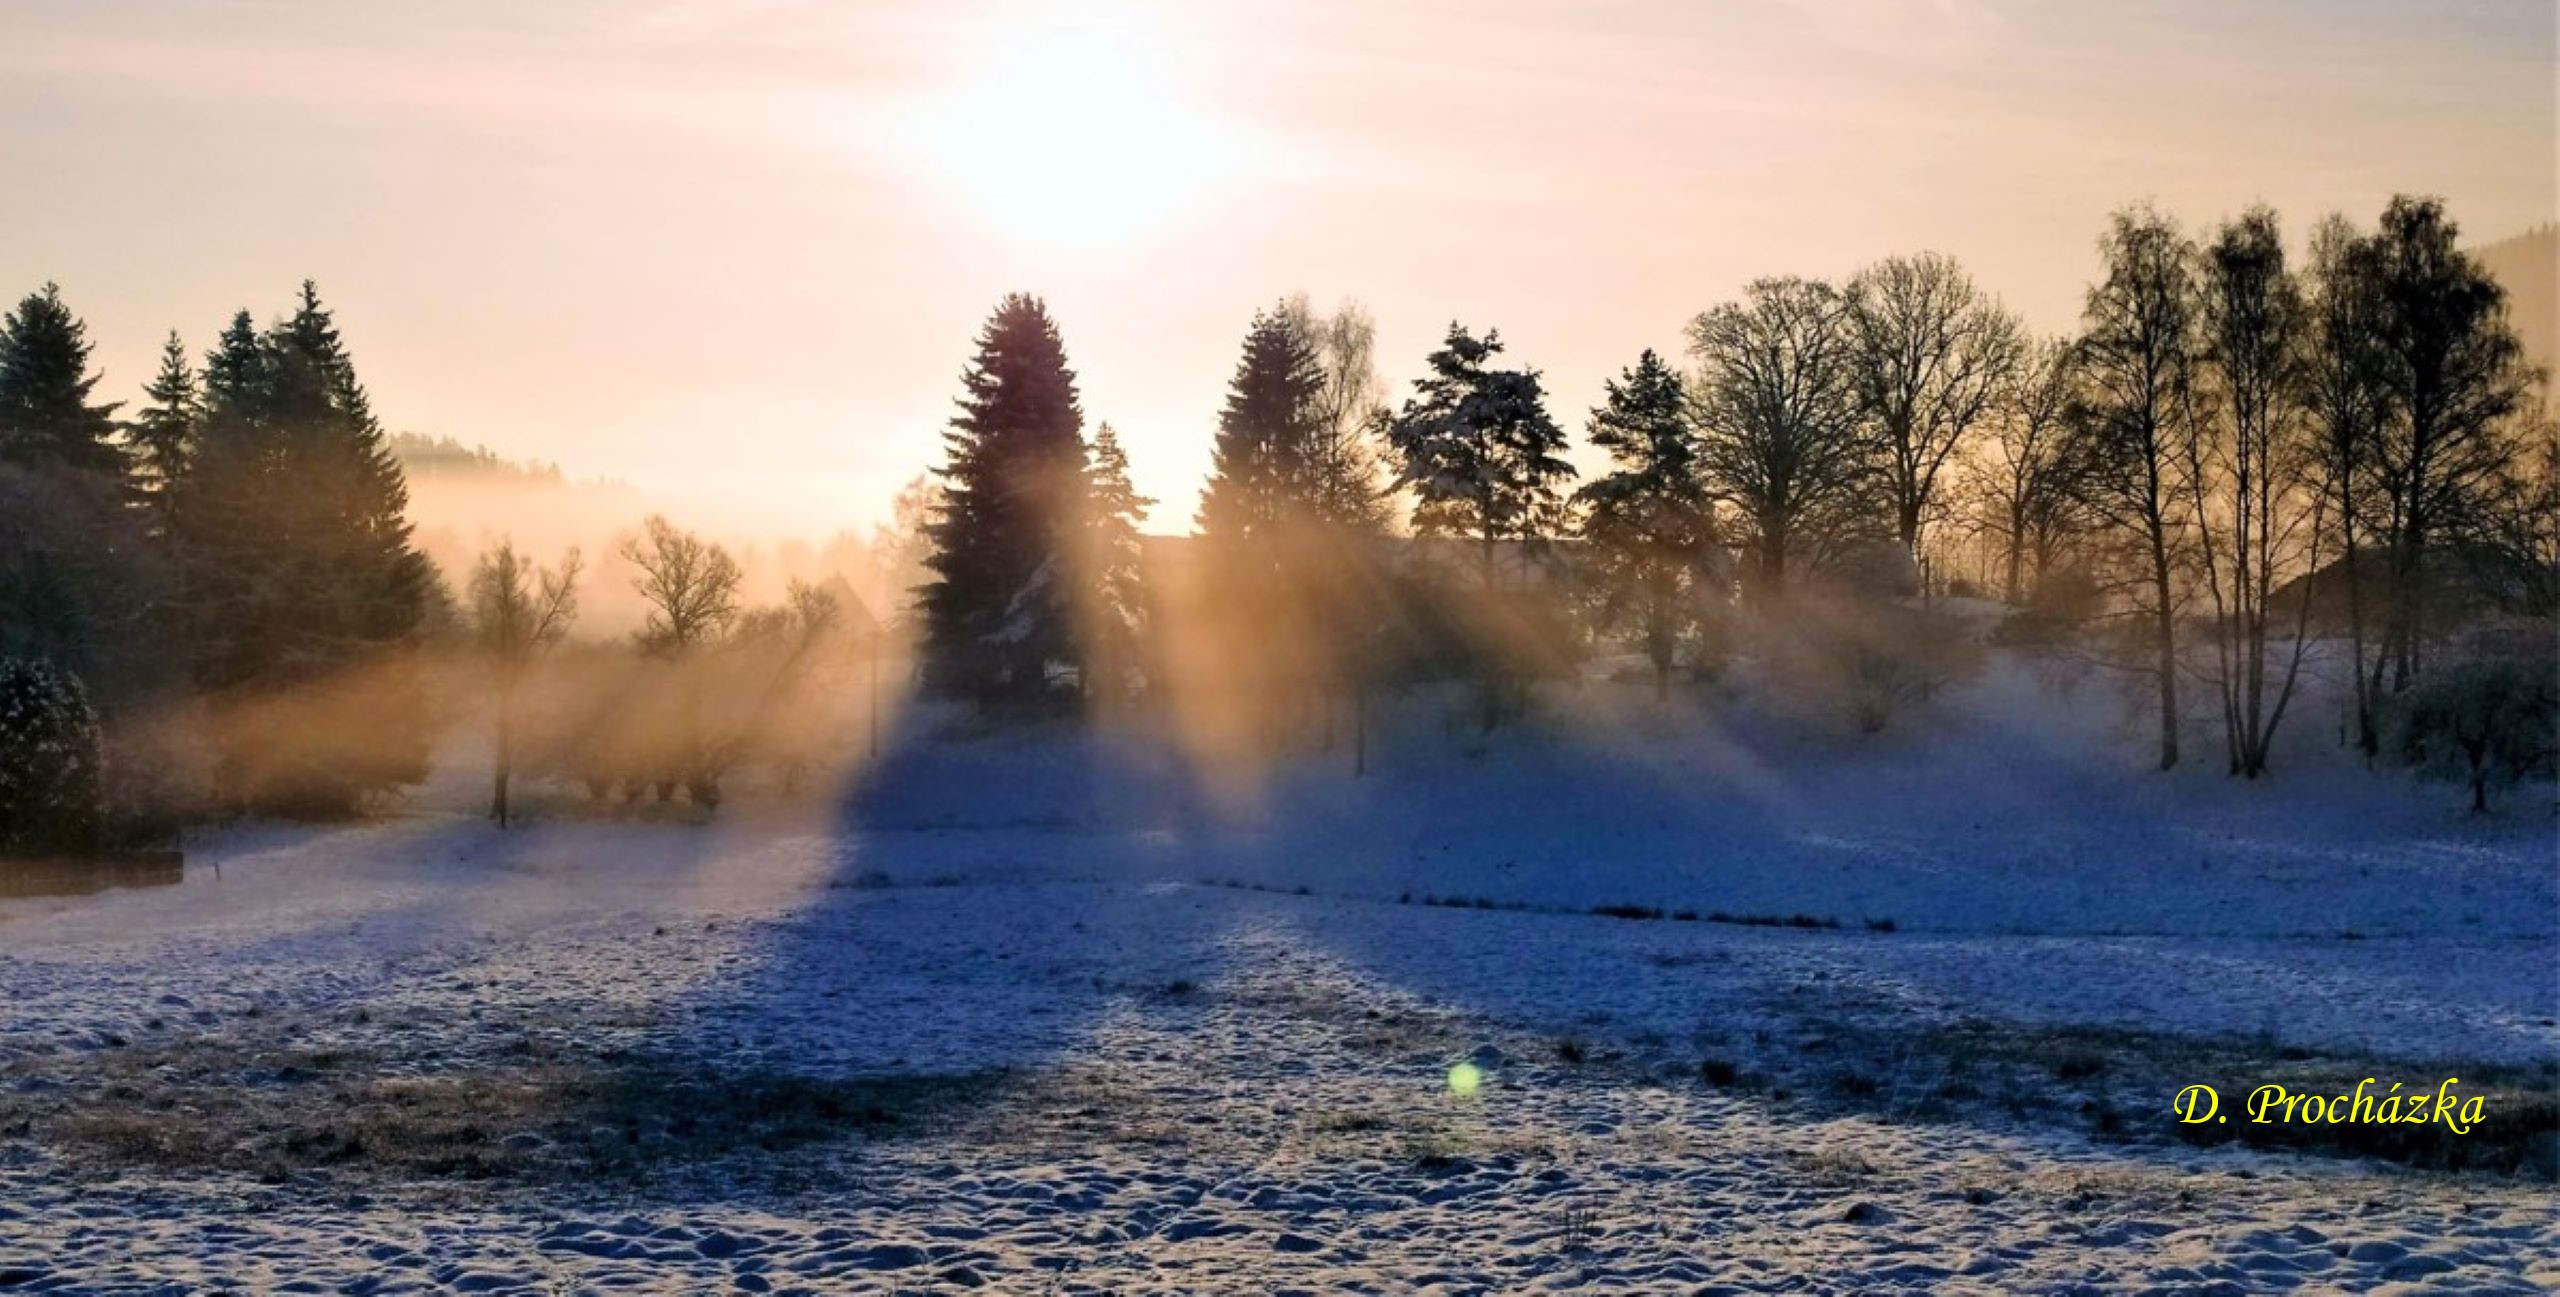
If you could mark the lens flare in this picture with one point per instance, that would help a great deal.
(1465, 1079)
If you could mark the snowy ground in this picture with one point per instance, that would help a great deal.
(1036, 1012)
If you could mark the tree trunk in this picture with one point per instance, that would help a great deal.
(2368, 737)
(872, 712)
(2013, 585)
(1660, 641)
(1773, 561)
(1360, 727)
(506, 754)
(2168, 648)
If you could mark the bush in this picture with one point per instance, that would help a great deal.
(1902, 656)
(51, 786)
(1866, 660)
(2062, 602)
(2481, 722)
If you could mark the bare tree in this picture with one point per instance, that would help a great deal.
(1349, 501)
(1347, 471)
(1933, 356)
(2250, 474)
(518, 611)
(2348, 405)
(692, 589)
(2457, 376)
(778, 646)
(691, 585)
(1777, 414)
(2524, 524)
(2136, 405)
(2023, 475)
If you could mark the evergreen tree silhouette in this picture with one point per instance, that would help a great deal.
(999, 612)
(1262, 473)
(1482, 455)
(1649, 522)
(301, 587)
(163, 436)
(1115, 624)
(45, 414)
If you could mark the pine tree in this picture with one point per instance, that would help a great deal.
(1116, 621)
(45, 415)
(1649, 523)
(302, 588)
(1479, 450)
(163, 437)
(1262, 478)
(1485, 461)
(52, 799)
(999, 611)
(77, 584)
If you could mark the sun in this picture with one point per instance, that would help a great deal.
(1073, 138)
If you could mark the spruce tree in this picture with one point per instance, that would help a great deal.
(77, 583)
(1482, 455)
(219, 513)
(1116, 622)
(164, 435)
(45, 414)
(302, 589)
(1649, 523)
(52, 793)
(999, 611)
(1262, 478)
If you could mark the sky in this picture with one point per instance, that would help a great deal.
(734, 252)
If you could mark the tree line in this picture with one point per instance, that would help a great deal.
(212, 605)
(2231, 440)
(2238, 461)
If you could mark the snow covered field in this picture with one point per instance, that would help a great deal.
(1041, 1012)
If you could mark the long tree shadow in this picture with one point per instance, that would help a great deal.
(960, 930)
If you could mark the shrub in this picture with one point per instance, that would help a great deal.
(1899, 656)
(2062, 602)
(51, 786)
(1869, 660)
(2482, 722)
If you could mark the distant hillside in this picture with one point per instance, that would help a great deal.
(423, 456)
(463, 499)
(2529, 266)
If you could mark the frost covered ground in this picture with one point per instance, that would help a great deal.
(1045, 1012)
